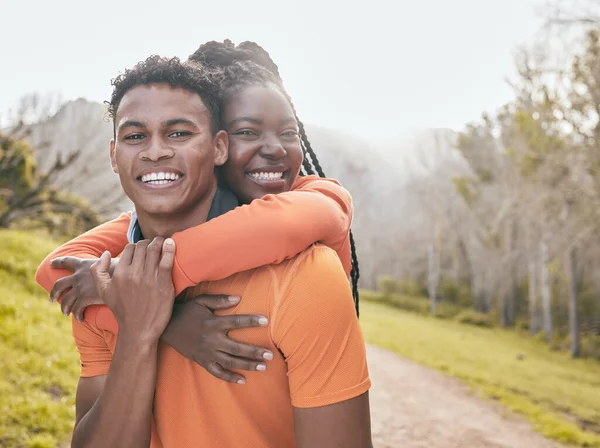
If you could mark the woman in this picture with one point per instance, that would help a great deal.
(284, 212)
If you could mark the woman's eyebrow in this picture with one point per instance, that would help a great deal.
(257, 121)
(288, 120)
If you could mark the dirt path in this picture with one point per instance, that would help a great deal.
(413, 406)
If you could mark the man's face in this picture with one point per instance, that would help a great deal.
(165, 152)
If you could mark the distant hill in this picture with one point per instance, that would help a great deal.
(379, 176)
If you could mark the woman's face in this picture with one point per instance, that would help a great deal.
(264, 146)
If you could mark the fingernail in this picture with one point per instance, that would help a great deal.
(169, 242)
(78, 318)
(242, 381)
(66, 313)
(268, 355)
(263, 320)
(234, 298)
(261, 367)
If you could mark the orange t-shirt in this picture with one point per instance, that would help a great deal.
(313, 332)
(267, 231)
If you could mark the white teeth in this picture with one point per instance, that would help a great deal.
(160, 178)
(267, 175)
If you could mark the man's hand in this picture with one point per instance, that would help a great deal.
(140, 293)
(79, 286)
(196, 333)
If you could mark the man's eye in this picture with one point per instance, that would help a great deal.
(177, 134)
(135, 137)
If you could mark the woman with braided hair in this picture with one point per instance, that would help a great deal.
(249, 63)
(283, 213)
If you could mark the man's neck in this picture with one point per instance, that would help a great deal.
(166, 225)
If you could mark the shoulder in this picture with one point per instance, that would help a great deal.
(317, 260)
(314, 273)
(314, 293)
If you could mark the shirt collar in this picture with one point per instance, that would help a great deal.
(223, 202)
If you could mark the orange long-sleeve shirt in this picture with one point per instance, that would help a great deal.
(267, 231)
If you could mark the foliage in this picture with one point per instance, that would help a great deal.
(28, 198)
(562, 404)
(416, 304)
(471, 317)
(389, 285)
(40, 367)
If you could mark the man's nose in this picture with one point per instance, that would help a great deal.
(157, 150)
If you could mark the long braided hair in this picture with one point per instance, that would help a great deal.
(247, 64)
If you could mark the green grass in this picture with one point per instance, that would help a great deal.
(559, 395)
(39, 367)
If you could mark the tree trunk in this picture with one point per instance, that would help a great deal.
(476, 291)
(546, 299)
(488, 294)
(502, 308)
(507, 298)
(533, 306)
(433, 277)
(571, 268)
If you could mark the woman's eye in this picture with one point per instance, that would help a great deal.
(245, 132)
(290, 134)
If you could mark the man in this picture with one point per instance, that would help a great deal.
(135, 392)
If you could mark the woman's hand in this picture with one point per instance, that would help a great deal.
(78, 288)
(201, 336)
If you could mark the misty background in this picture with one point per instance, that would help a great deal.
(465, 131)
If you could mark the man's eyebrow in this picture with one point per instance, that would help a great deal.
(247, 119)
(131, 124)
(177, 121)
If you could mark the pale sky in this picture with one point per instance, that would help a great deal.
(376, 70)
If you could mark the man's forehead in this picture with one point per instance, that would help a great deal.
(159, 103)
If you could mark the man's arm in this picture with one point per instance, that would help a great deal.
(314, 324)
(335, 425)
(117, 410)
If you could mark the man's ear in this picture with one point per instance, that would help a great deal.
(113, 157)
(221, 142)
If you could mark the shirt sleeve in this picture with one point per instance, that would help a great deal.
(94, 354)
(266, 231)
(314, 324)
(111, 236)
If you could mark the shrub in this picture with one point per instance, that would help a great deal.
(472, 317)
(457, 293)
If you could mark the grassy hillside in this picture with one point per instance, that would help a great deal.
(40, 366)
(559, 395)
